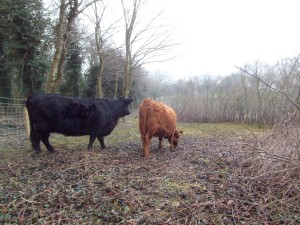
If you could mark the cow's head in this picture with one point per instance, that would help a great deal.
(177, 134)
(125, 103)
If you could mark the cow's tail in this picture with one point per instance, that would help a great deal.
(144, 115)
(32, 135)
(142, 122)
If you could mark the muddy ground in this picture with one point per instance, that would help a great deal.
(205, 181)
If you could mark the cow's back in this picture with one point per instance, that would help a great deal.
(156, 116)
(66, 115)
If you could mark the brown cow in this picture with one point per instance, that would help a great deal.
(157, 120)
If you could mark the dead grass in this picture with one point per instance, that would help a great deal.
(209, 179)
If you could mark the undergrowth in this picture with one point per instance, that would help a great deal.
(219, 174)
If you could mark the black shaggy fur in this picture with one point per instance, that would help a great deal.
(73, 117)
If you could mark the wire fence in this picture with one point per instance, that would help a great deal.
(12, 123)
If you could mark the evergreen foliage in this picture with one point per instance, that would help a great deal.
(22, 66)
(90, 82)
(72, 84)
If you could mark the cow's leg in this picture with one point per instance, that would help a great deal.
(101, 140)
(91, 142)
(35, 141)
(143, 141)
(171, 142)
(36, 145)
(147, 140)
(45, 140)
(160, 142)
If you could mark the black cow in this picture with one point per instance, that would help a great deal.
(73, 117)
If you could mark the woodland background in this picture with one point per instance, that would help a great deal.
(45, 46)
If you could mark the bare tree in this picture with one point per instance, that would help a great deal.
(99, 46)
(68, 12)
(288, 81)
(145, 42)
(100, 39)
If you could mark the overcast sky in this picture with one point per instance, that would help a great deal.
(218, 34)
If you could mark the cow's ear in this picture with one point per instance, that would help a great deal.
(128, 100)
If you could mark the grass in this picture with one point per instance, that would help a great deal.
(127, 130)
(219, 129)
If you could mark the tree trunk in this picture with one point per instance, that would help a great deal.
(63, 42)
(60, 28)
(130, 22)
(16, 84)
(99, 91)
(125, 91)
(99, 47)
(116, 86)
(59, 73)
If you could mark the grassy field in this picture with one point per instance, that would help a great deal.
(209, 179)
(128, 130)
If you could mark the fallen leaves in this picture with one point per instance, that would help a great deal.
(200, 183)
